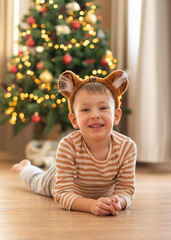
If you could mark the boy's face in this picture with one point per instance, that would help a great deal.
(94, 114)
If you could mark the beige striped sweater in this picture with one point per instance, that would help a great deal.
(78, 173)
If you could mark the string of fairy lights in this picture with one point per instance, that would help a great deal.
(24, 59)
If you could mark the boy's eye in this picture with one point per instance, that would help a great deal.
(103, 108)
(84, 110)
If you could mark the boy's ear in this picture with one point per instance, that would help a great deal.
(73, 120)
(119, 81)
(118, 114)
(66, 83)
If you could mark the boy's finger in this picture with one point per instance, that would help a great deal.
(106, 201)
(115, 198)
(105, 206)
(114, 212)
(104, 212)
(116, 206)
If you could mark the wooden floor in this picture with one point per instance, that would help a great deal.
(26, 216)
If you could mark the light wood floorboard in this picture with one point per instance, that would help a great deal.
(27, 216)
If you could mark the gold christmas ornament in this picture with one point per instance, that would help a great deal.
(62, 29)
(90, 18)
(46, 76)
(39, 49)
(73, 6)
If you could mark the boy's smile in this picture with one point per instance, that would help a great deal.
(96, 125)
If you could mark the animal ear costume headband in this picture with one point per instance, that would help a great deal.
(116, 82)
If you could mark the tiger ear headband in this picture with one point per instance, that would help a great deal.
(116, 82)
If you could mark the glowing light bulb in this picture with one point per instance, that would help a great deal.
(91, 46)
(52, 96)
(77, 45)
(20, 66)
(58, 101)
(35, 98)
(15, 98)
(9, 89)
(38, 101)
(34, 25)
(46, 97)
(21, 115)
(54, 105)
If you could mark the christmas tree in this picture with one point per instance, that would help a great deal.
(55, 36)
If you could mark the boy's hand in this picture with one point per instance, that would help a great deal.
(101, 207)
(116, 203)
(104, 207)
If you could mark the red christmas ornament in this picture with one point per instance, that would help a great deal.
(30, 43)
(27, 36)
(67, 59)
(43, 10)
(76, 25)
(30, 20)
(88, 35)
(40, 65)
(35, 118)
(89, 61)
(20, 54)
(13, 69)
(103, 62)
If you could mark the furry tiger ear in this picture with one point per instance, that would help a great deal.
(66, 83)
(119, 80)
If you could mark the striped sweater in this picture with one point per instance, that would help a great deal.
(78, 173)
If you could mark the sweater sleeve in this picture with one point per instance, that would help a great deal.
(125, 181)
(63, 190)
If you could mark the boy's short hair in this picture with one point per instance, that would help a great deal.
(94, 88)
(116, 82)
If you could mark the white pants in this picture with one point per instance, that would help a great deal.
(39, 181)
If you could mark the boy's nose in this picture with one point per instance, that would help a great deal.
(95, 114)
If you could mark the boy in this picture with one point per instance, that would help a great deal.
(95, 166)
